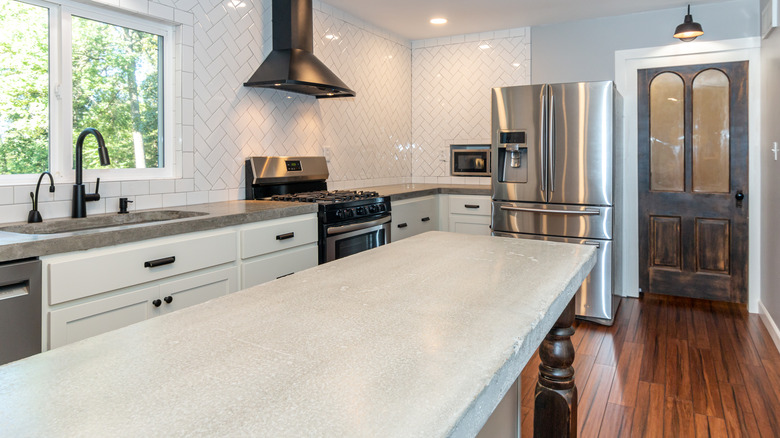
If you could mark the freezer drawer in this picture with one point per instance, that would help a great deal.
(553, 220)
(595, 300)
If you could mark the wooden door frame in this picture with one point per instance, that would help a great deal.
(627, 63)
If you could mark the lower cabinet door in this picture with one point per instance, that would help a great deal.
(89, 319)
(279, 264)
(470, 224)
(197, 289)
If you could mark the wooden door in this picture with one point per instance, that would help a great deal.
(693, 193)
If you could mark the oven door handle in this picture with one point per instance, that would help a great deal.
(352, 227)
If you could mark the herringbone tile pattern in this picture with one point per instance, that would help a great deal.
(365, 138)
(451, 85)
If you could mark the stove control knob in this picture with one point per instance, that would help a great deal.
(350, 212)
(372, 209)
(381, 207)
(340, 214)
(361, 211)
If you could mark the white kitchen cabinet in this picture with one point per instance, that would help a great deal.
(470, 214)
(277, 248)
(76, 322)
(87, 293)
(414, 216)
(78, 275)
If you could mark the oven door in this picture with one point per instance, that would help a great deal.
(345, 240)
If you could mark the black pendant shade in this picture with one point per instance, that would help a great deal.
(689, 29)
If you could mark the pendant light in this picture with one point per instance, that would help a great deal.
(689, 29)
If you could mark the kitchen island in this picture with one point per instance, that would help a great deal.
(422, 337)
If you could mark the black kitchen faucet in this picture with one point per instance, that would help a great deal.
(80, 197)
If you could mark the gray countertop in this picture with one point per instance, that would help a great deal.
(398, 192)
(15, 246)
(220, 214)
(421, 337)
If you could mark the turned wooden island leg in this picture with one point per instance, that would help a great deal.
(555, 399)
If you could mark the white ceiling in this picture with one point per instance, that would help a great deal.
(409, 18)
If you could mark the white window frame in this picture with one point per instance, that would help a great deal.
(61, 96)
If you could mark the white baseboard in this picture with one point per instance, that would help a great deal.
(770, 324)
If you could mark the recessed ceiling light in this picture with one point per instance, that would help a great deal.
(438, 21)
(484, 46)
(331, 37)
(515, 64)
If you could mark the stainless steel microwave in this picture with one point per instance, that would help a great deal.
(470, 160)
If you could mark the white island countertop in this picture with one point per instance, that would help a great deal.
(417, 338)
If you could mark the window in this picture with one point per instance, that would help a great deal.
(65, 67)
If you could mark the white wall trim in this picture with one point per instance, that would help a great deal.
(771, 327)
(627, 62)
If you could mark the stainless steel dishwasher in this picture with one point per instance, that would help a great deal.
(20, 309)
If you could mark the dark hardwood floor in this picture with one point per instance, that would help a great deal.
(672, 367)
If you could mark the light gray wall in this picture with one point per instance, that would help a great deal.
(585, 50)
(770, 174)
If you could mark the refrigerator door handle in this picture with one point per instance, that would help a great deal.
(586, 212)
(551, 140)
(544, 137)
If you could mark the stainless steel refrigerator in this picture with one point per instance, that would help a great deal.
(557, 153)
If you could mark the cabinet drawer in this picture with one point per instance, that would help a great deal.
(475, 205)
(273, 266)
(198, 289)
(98, 271)
(91, 319)
(413, 216)
(278, 234)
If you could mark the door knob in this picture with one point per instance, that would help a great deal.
(739, 196)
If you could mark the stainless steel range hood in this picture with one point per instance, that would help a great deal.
(292, 66)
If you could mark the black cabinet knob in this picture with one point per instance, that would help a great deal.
(740, 196)
(168, 299)
(157, 303)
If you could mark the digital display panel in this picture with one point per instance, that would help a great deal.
(294, 166)
(517, 137)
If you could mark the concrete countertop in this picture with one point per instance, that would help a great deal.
(421, 337)
(14, 246)
(220, 214)
(397, 192)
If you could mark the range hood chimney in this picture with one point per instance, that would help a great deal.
(292, 66)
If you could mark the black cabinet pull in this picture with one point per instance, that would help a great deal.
(285, 236)
(159, 262)
(426, 219)
(403, 225)
(285, 275)
(471, 206)
(157, 303)
(168, 299)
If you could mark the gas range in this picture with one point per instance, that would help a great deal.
(349, 221)
(341, 205)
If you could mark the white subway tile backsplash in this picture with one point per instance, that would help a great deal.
(162, 186)
(110, 189)
(452, 105)
(174, 199)
(185, 185)
(22, 194)
(13, 212)
(134, 188)
(197, 198)
(218, 196)
(144, 202)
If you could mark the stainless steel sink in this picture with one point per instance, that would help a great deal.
(97, 222)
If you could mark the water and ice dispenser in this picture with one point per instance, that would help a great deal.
(512, 157)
